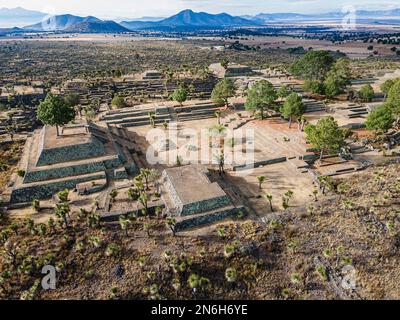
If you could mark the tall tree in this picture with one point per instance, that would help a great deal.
(314, 65)
(222, 91)
(261, 97)
(393, 99)
(283, 92)
(386, 86)
(332, 86)
(366, 93)
(380, 119)
(325, 136)
(341, 72)
(293, 107)
(54, 111)
(180, 95)
(72, 99)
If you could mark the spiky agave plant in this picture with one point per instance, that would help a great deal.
(231, 275)
(176, 284)
(167, 254)
(229, 250)
(193, 281)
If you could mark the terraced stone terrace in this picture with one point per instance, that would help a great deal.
(82, 153)
(193, 198)
(138, 88)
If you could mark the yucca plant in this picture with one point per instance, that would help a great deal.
(167, 254)
(231, 275)
(80, 245)
(327, 253)
(112, 250)
(36, 205)
(95, 241)
(221, 232)
(41, 229)
(295, 278)
(321, 271)
(113, 194)
(193, 281)
(171, 223)
(269, 198)
(124, 223)
(142, 262)
(176, 284)
(261, 180)
(229, 250)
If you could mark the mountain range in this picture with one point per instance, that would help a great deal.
(184, 20)
(19, 17)
(60, 22)
(189, 19)
(298, 17)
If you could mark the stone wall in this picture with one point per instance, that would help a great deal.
(205, 205)
(72, 152)
(195, 207)
(120, 174)
(61, 172)
(112, 162)
(43, 191)
(259, 163)
(207, 219)
(172, 192)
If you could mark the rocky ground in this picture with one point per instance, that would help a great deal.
(343, 246)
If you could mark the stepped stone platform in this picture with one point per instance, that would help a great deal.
(193, 199)
(313, 105)
(137, 116)
(149, 86)
(82, 153)
(196, 111)
(151, 74)
(232, 70)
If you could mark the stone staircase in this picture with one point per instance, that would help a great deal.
(132, 117)
(358, 112)
(198, 111)
(313, 105)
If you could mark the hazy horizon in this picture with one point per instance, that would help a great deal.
(120, 9)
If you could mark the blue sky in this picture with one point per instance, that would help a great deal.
(139, 8)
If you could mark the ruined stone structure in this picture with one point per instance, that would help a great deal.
(232, 70)
(163, 112)
(151, 74)
(193, 198)
(81, 154)
(149, 86)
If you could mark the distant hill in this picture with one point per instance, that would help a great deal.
(19, 17)
(335, 15)
(138, 25)
(61, 22)
(203, 19)
(6, 31)
(380, 13)
(278, 16)
(190, 19)
(97, 27)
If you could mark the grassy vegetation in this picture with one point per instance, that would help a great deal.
(357, 225)
(53, 60)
